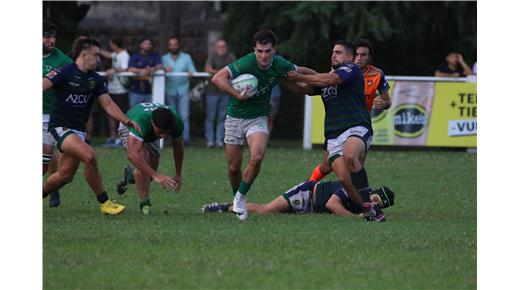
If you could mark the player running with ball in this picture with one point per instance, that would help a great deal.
(246, 119)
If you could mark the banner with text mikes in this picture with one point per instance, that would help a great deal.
(423, 113)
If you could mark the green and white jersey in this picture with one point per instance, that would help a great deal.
(55, 59)
(257, 106)
(142, 115)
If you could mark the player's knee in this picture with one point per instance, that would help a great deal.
(325, 168)
(67, 177)
(256, 160)
(233, 170)
(352, 161)
(90, 159)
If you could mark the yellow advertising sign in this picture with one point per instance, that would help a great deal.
(423, 113)
(454, 115)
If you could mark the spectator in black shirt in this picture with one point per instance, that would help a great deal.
(453, 66)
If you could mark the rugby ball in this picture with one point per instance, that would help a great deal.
(245, 82)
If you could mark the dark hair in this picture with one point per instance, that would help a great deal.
(117, 41)
(163, 118)
(83, 44)
(49, 27)
(175, 37)
(265, 36)
(362, 42)
(349, 47)
(144, 39)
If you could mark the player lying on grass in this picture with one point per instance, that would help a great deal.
(317, 197)
(156, 121)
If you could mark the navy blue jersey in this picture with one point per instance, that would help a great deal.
(325, 190)
(345, 104)
(141, 84)
(74, 93)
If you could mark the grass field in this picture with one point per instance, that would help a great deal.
(428, 242)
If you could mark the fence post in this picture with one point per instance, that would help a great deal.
(158, 91)
(307, 123)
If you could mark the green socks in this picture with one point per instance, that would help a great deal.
(244, 187)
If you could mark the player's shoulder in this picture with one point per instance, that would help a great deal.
(61, 54)
(248, 57)
(66, 69)
(349, 67)
(372, 70)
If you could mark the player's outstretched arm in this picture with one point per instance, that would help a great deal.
(178, 157)
(318, 80)
(113, 110)
(137, 155)
(306, 70)
(336, 207)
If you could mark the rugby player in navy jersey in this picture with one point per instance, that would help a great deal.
(317, 197)
(348, 127)
(75, 87)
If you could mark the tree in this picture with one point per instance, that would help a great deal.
(410, 38)
(66, 15)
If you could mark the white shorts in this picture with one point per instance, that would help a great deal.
(46, 138)
(335, 146)
(237, 130)
(58, 134)
(153, 148)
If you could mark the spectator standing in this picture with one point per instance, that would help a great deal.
(178, 87)
(216, 100)
(453, 66)
(146, 62)
(117, 85)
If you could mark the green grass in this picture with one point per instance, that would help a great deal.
(429, 241)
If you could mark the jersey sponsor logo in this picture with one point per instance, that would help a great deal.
(77, 99)
(51, 74)
(91, 84)
(329, 92)
(410, 120)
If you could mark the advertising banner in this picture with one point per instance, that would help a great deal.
(423, 113)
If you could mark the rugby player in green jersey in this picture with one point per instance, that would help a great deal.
(317, 197)
(246, 116)
(52, 58)
(156, 121)
(76, 86)
(348, 127)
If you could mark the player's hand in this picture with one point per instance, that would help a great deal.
(178, 183)
(110, 73)
(132, 124)
(292, 75)
(379, 103)
(373, 213)
(242, 96)
(165, 181)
